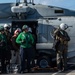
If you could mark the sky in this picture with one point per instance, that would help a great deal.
(69, 4)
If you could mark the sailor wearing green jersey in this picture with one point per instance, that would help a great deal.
(26, 40)
(3, 46)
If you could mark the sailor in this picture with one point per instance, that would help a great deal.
(3, 46)
(61, 40)
(15, 55)
(34, 48)
(25, 39)
(15, 50)
(8, 36)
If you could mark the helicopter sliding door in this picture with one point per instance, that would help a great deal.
(31, 24)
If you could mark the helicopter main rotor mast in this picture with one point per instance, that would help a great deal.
(25, 1)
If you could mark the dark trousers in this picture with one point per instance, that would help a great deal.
(3, 59)
(26, 53)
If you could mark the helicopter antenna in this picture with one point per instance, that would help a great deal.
(17, 2)
(25, 1)
(21, 1)
(32, 1)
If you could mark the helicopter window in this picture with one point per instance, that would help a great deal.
(51, 6)
(59, 11)
(54, 18)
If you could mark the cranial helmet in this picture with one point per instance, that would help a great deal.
(18, 30)
(6, 26)
(30, 30)
(25, 27)
(1, 28)
(63, 26)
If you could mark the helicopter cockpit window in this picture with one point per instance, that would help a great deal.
(59, 11)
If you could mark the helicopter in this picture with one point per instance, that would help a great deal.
(42, 19)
